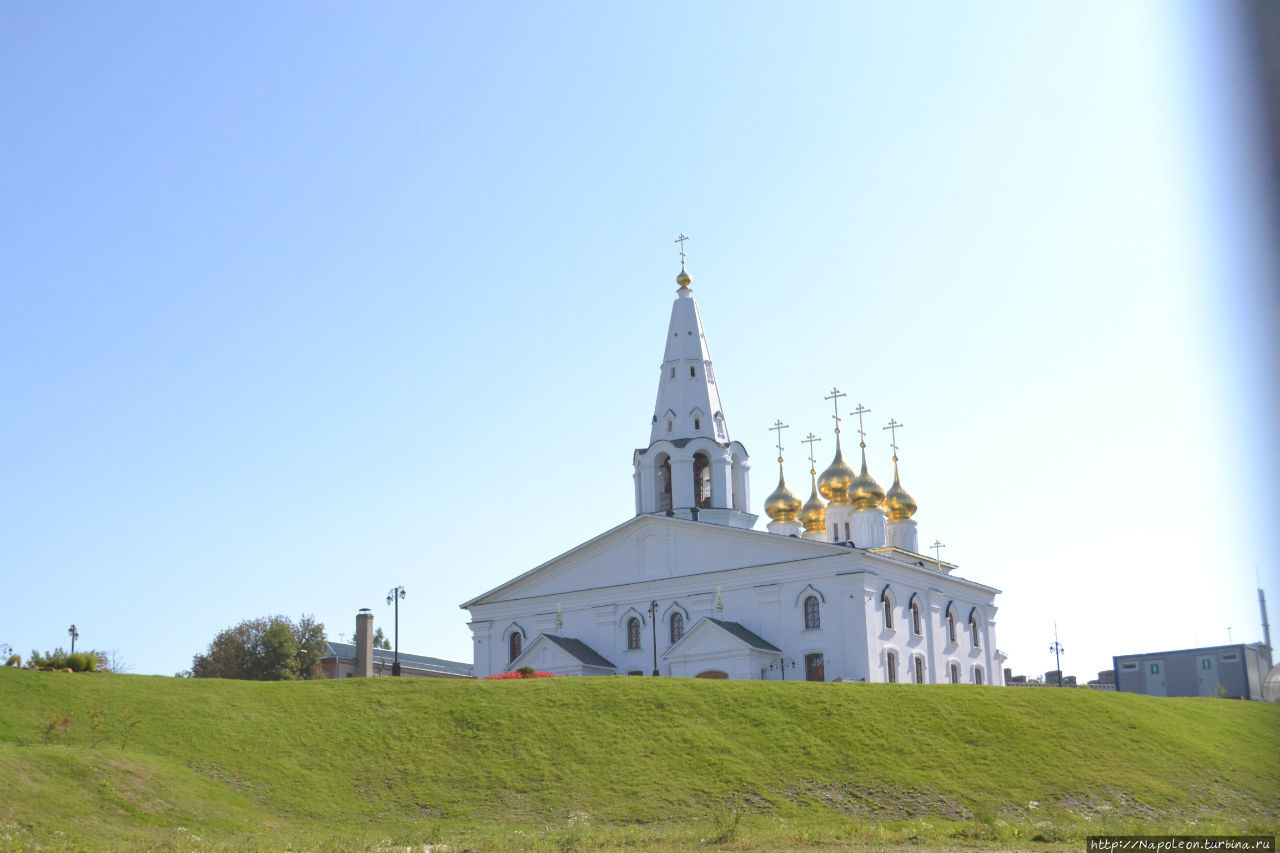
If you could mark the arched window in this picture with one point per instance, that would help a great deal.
(951, 626)
(701, 480)
(891, 666)
(677, 626)
(977, 675)
(917, 627)
(955, 673)
(974, 633)
(918, 669)
(812, 618)
(886, 608)
(513, 646)
(633, 633)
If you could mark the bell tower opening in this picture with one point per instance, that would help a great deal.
(701, 480)
(663, 490)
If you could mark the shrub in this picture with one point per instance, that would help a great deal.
(83, 661)
(14, 660)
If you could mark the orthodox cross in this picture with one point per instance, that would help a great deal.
(860, 411)
(937, 547)
(813, 463)
(778, 427)
(681, 240)
(893, 428)
(835, 396)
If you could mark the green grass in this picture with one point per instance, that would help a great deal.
(617, 763)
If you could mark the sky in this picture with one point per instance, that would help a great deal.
(303, 303)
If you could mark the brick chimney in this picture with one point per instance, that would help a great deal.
(364, 643)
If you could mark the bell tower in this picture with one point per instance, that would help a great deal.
(691, 468)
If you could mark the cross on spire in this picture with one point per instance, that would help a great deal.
(835, 396)
(681, 240)
(893, 428)
(779, 426)
(860, 411)
(813, 463)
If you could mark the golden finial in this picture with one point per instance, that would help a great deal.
(835, 396)
(719, 602)
(782, 505)
(897, 503)
(683, 279)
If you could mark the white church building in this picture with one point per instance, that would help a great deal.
(835, 590)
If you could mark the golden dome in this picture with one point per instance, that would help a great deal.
(897, 503)
(814, 514)
(835, 481)
(683, 279)
(782, 505)
(865, 492)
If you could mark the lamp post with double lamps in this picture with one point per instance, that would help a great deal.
(393, 597)
(74, 634)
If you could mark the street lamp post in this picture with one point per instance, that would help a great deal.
(781, 665)
(74, 633)
(1057, 650)
(393, 597)
(653, 618)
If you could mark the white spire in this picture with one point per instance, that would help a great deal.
(691, 469)
(688, 404)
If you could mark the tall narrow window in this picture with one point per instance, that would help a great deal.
(633, 633)
(974, 633)
(955, 673)
(673, 373)
(891, 666)
(977, 675)
(677, 626)
(951, 628)
(886, 606)
(919, 669)
(812, 618)
(513, 646)
(916, 627)
(692, 373)
(697, 423)
(814, 669)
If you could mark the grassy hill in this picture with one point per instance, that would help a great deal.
(617, 762)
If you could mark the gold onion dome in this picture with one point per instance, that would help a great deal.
(814, 513)
(683, 279)
(835, 481)
(865, 493)
(897, 503)
(782, 505)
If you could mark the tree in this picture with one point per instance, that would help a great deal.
(271, 648)
(380, 640)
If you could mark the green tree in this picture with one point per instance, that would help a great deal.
(271, 648)
(380, 640)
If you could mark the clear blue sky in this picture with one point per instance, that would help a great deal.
(303, 302)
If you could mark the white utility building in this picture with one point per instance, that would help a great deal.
(837, 588)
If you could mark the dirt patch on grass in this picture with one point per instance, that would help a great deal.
(880, 804)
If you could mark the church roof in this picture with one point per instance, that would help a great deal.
(580, 650)
(347, 651)
(778, 548)
(751, 638)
